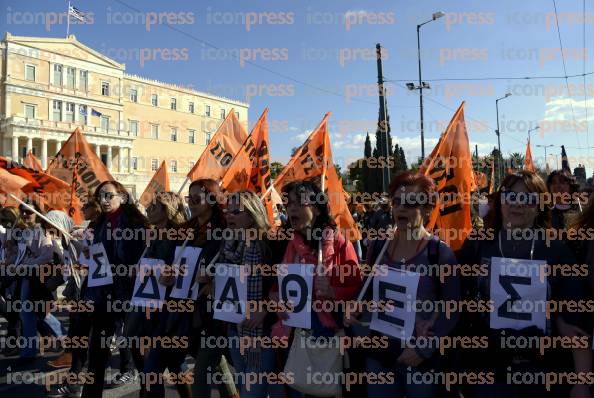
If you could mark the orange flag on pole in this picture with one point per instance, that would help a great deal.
(250, 169)
(159, 183)
(78, 165)
(220, 151)
(32, 162)
(450, 166)
(528, 163)
(480, 180)
(312, 160)
(492, 182)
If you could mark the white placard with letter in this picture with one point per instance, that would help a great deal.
(230, 293)
(399, 287)
(295, 285)
(148, 292)
(99, 268)
(184, 273)
(518, 293)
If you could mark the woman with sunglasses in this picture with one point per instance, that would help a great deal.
(411, 248)
(516, 227)
(315, 234)
(119, 218)
(166, 214)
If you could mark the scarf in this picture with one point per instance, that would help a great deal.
(238, 252)
(298, 251)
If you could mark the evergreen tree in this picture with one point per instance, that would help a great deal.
(366, 171)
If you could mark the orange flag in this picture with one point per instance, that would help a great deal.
(492, 182)
(454, 182)
(220, 151)
(312, 160)
(32, 162)
(159, 183)
(19, 180)
(528, 164)
(78, 165)
(480, 180)
(250, 169)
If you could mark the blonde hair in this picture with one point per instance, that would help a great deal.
(252, 203)
(174, 207)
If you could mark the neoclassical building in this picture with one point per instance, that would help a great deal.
(50, 86)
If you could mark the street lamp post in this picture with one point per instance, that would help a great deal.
(422, 85)
(530, 130)
(499, 171)
(545, 151)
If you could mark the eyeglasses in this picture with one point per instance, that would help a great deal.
(234, 212)
(512, 198)
(26, 212)
(107, 195)
(404, 202)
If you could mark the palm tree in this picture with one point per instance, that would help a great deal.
(516, 161)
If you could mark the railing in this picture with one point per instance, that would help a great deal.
(64, 126)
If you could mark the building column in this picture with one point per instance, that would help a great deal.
(121, 160)
(59, 144)
(29, 144)
(98, 151)
(130, 160)
(44, 153)
(15, 148)
(109, 157)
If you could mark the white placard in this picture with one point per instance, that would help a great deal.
(185, 273)
(295, 285)
(99, 268)
(66, 265)
(518, 293)
(148, 292)
(22, 250)
(230, 293)
(400, 287)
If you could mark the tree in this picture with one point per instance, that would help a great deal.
(275, 169)
(515, 161)
(365, 170)
(293, 150)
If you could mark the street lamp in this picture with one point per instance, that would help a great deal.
(530, 130)
(498, 134)
(422, 84)
(545, 150)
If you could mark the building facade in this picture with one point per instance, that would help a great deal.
(51, 86)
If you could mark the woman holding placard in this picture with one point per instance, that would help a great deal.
(332, 261)
(410, 263)
(118, 243)
(518, 282)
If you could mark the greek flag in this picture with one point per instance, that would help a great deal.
(94, 112)
(77, 14)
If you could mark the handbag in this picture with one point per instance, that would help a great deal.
(310, 358)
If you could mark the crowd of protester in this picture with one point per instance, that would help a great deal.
(475, 357)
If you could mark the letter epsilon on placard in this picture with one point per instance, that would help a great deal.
(99, 267)
(230, 293)
(148, 292)
(400, 288)
(295, 283)
(185, 274)
(518, 294)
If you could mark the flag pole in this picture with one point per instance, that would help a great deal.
(183, 185)
(68, 19)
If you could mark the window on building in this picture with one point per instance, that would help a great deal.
(191, 136)
(70, 77)
(134, 163)
(191, 107)
(105, 123)
(173, 134)
(82, 113)
(155, 100)
(154, 164)
(57, 111)
(207, 110)
(83, 80)
(57, 75)
(30, 111)
(69, 114)
(207, 137)
(173, 166)
(30, 72)
(133, 127)
(133, 95)
(155, 131)
(222, 113)
(105, 88)
(173, 104)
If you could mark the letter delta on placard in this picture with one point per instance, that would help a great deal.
(185, 273)
(295, 283)
(230, 293)
(148, 292)
(99, 268)
(518, 294)
(401, 288)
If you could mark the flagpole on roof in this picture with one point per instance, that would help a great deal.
(68, 23)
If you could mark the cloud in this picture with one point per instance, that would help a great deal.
(301, 137)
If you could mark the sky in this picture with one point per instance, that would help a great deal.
(305, 58)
